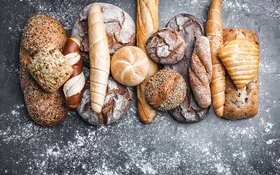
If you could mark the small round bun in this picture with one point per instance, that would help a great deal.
(166, 46)
(41, 30)
(129, 66)
(165, 90)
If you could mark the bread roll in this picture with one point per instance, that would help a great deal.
(214, 32)
(50, 68)
(146, 23)
(165, 90)
(241, 103)
(46, 109)
(129, 66)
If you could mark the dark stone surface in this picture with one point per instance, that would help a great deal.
(213, 146)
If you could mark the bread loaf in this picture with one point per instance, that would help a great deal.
(241, 103)
(200, 72)
(166, 46)
(165, 90)
(44, 108)
(50, 68)
(215, 34)
(120, 29)
(129, 66)
(190, 28)
(99, 57)
(117, 101)
(146, 23)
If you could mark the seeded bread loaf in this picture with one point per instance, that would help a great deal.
(50, 68)
(165, 90)
(44, 108)
(240, 103)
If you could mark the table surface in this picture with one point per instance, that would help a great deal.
(212, 146)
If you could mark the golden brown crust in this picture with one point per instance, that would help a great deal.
(44, 108)
(214, 33)
(147, 22)
(241, 60)
(240, 103)
(129, 65)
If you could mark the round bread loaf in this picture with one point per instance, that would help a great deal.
(41, 30)
(190, 27)
(166, 46)
(116, 103)
(120, 29)
(129, 66)
(165, 90)
(44, 108)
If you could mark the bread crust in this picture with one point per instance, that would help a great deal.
(44, 108)
(214, 32)
(240, 103)
(147, 22)
(129, 65)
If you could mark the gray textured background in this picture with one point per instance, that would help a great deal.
(213, 146)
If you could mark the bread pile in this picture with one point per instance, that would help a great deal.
(180, 68)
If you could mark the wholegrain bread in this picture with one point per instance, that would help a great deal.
(44, 108)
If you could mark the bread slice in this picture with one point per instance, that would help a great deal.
(241, 103)
(44, 108)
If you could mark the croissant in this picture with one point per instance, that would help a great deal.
(241, 59)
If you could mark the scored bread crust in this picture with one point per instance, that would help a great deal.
(129, 66)
(44, 108)
(240, 103)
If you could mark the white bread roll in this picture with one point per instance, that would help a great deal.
(129, 66)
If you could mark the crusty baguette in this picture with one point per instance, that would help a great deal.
(215, 34)
(99, 57)
(241, 103)
(147, 22)
(200, 72)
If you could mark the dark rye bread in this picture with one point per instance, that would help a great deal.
(165, 90)
(240, 103)
(166, 46)
(189, 27)
(120, 29)
(44, 108)
(116, 103)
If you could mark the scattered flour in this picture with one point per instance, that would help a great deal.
(213, 146)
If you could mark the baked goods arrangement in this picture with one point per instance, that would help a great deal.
(182, 68)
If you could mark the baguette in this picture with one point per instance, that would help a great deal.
(215, 34)
(147, 22)
(99, 57)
